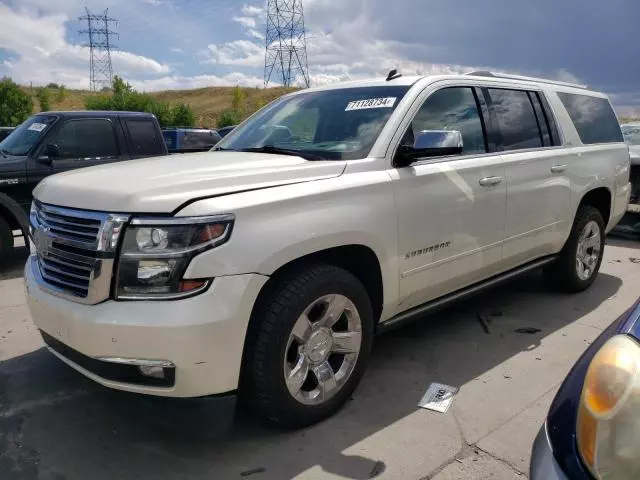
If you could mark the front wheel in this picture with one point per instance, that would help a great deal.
(579, 262)
(6, 238)
(308, 346)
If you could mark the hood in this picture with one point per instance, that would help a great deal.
(163, 184)
(634, 151)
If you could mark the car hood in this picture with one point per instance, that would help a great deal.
(634, 151)
(163, 184)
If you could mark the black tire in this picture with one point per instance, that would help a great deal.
(263, 384)
(563, 274)
(6, 239)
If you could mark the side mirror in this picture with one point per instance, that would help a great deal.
(51, 151)
(430, 143)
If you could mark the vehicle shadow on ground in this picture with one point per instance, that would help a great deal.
(56, 424)
(13, 265)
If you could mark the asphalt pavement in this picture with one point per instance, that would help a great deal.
(507, 351)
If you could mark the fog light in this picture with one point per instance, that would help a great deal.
(151, 371)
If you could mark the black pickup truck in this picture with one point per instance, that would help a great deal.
(54, 142)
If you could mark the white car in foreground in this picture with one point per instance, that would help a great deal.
(265, 267)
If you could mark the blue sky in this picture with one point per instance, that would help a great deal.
(195, 43)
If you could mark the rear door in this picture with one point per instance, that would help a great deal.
(538, 191)
(144, 138)
(85, 142)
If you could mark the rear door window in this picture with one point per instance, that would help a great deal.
(593, 117)
(87, 138)
(517, 127)
(542, 120)
(144, 139)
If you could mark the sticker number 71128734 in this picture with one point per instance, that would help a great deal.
(387, 102)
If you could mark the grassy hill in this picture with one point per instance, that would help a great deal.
(207, 103)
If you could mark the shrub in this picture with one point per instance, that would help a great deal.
(125, 98)
(62, 93)
(229, 117)
(15, 104)
(238, 103)
(44, 98)
(183, 116)
(53, 85)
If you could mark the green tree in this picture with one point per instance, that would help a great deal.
(15, 104)
(183, 116)
(44, 98)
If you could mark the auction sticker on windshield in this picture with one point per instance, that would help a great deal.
(387, 102)
(38, 127)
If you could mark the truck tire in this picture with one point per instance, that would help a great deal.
(308, 345)
(6, 239)
(579, 262)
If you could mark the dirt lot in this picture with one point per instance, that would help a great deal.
(56, 425)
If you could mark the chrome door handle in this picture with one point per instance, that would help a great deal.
(558, 168)
(490, 181)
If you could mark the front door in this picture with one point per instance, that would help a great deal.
(84, 142)
(451, 209)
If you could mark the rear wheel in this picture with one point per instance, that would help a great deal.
(308, 346)
(579, 262)
(6, 238)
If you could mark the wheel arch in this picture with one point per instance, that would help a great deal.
(601, 199)
(13, 214)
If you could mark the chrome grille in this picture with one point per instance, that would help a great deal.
(74, 251)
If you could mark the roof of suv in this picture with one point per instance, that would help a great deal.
(93, 113)
(480, 76)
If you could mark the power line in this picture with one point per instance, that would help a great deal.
(285, 59)
(100, 46)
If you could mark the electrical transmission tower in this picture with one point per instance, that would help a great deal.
(285, 58)
(100, 46)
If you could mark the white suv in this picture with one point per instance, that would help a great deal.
(265, 267)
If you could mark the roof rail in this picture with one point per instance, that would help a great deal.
(486, 73)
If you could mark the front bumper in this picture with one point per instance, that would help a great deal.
(543, 464)
(202, 336)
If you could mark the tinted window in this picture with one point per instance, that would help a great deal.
(517, 125)
(631, 134)
(90, 138)
(450, 109)
(542, 121)
(593, 118)
(143, 137)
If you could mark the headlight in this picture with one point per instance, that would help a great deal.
(156, 252)
(609, 414)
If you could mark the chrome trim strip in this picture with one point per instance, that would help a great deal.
(138, 362)
(143, 221)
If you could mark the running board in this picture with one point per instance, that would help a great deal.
(474, 289)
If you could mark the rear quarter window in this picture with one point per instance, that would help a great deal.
(593, 117)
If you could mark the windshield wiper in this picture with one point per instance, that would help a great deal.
(283, 151)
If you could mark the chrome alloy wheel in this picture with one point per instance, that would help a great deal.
(323, 349)
(588, 252)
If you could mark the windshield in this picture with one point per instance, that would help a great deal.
(631, 134)
(26, 135)
(340, 124)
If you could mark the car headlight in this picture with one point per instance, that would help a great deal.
(155, 253)
(608, 427)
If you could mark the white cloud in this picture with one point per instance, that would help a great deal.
(155, 3)
(253, 33)
(252, 10)
(246, 22)
(176, 50)
(238, 52)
